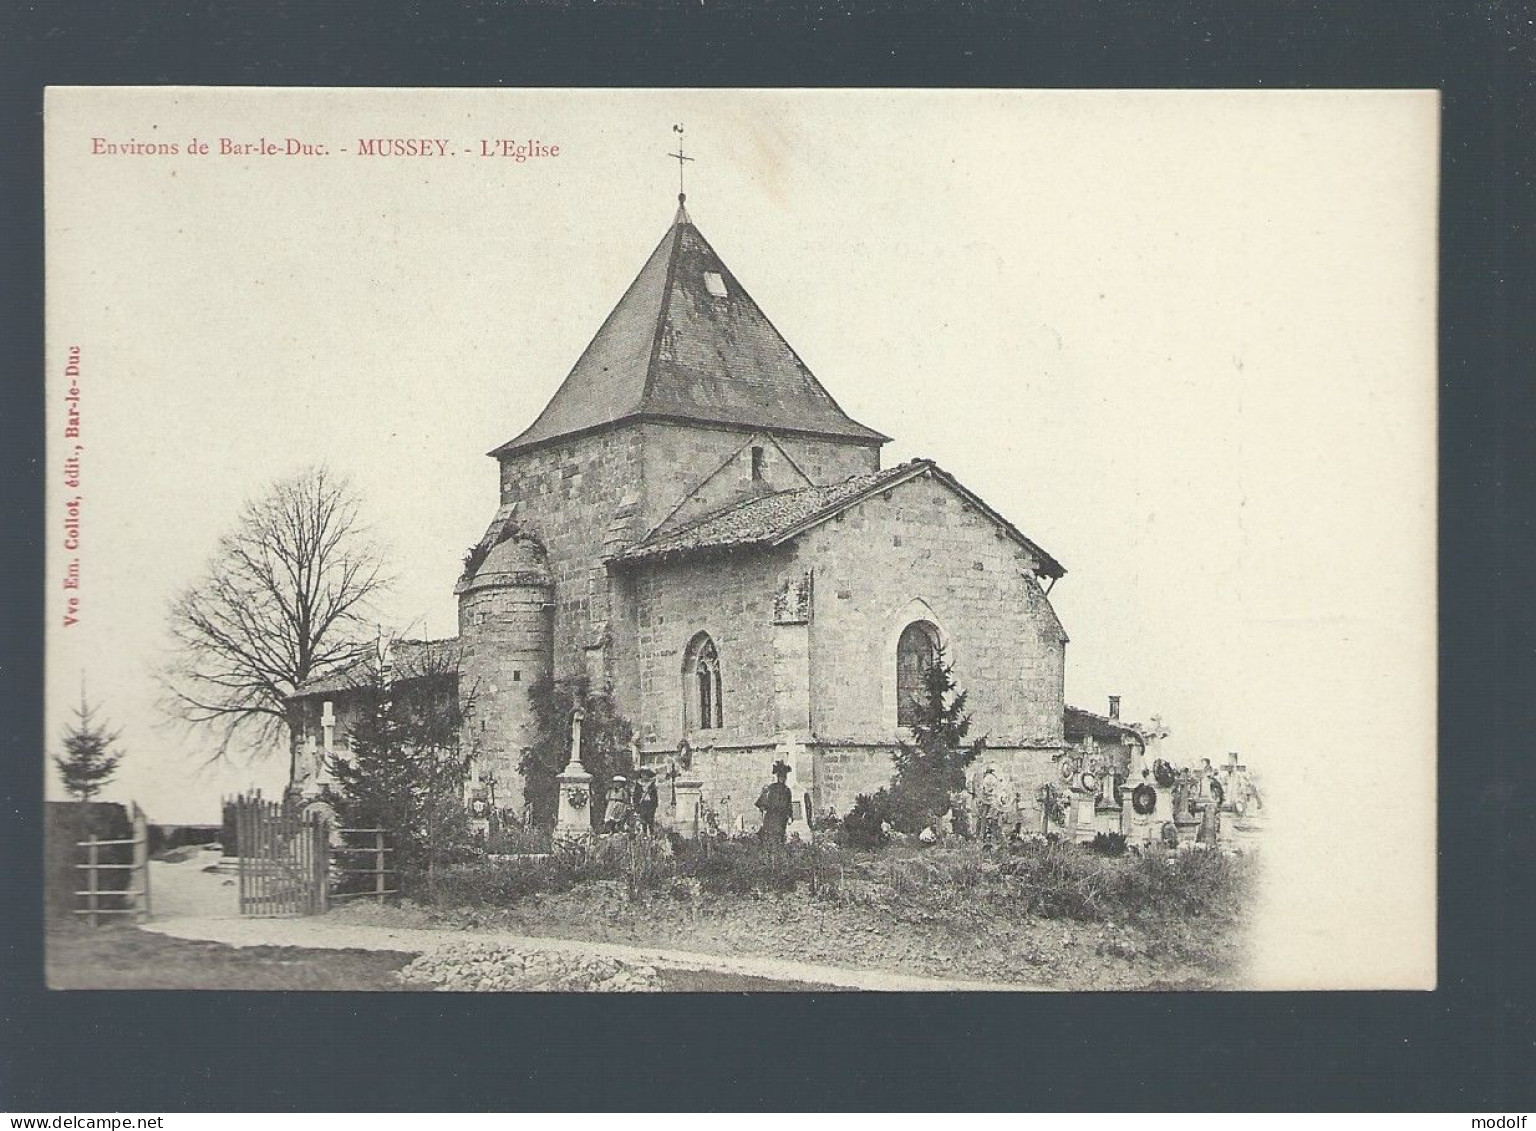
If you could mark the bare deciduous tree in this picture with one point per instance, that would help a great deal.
(283, 600)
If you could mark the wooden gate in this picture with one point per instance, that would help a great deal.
(284, 858)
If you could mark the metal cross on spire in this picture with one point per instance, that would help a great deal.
(680, 157)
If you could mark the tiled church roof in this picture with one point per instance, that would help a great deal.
(1078, 723)
(686, 342)
(773, 519)
(763, 519)
(410, 659)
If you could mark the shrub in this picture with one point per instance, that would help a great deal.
(746, 866)
(1061, 881)
(863, 827)
(645, 865)
(1194, 884)
(678, 842)
(405, 770)
(1177, 899)
(510, 839)
(938, 874)
(500, 883)
(1108, 844)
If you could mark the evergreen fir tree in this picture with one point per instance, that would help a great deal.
(932, 766)
(89, 760)
(405, 772)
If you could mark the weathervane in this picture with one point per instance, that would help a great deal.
(680, 157)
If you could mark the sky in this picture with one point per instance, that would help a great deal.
(1183, 340)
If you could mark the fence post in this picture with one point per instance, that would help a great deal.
(94, 859)
(378, 865)
(141, 838)
(243, 846)
(322, 839)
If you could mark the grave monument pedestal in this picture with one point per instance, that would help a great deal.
(575, 784)
(1084, 815)
(690, 792)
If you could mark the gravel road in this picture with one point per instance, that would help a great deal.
(190, 903)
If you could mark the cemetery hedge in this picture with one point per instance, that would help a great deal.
(1046, 880)
(66, 823)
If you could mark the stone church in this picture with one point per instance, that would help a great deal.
(694, 523)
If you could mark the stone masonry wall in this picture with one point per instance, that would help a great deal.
(843, 772)
(731, 598)
(504, 636)
(914, 552)
(586, 498)
(678, 458)
(733, 777)
(889, 561)
(918, 553)
(577, 498)
(733, 482)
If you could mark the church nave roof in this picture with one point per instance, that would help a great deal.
(771, 520)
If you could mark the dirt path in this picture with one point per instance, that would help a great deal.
(183, 888)
(319, 934)
(190, 903)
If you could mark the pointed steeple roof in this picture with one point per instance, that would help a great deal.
(687, 343)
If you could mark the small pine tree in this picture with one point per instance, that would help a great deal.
(88, 761)
(605, 737)
(932, 766)
(405, 771)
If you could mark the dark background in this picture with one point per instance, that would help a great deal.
(1468, 1046)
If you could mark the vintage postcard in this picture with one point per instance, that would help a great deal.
(508, 540)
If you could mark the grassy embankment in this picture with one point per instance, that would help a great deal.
(1054, 915)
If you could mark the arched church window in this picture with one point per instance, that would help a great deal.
(701, 684)
(915, 654)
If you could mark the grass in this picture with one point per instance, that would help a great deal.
(1048, 880)
(126, 958)
(121, 957)
(645, 865)
(1044, 914)
(1184, 911)
(715, 982)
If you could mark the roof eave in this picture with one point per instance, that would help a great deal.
(1104, 721)
(867, 437)
(679, 553)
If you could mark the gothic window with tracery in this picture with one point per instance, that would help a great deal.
(915, 653)
(701, 684)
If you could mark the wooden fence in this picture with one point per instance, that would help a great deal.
(376, 885)
(133, 898)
